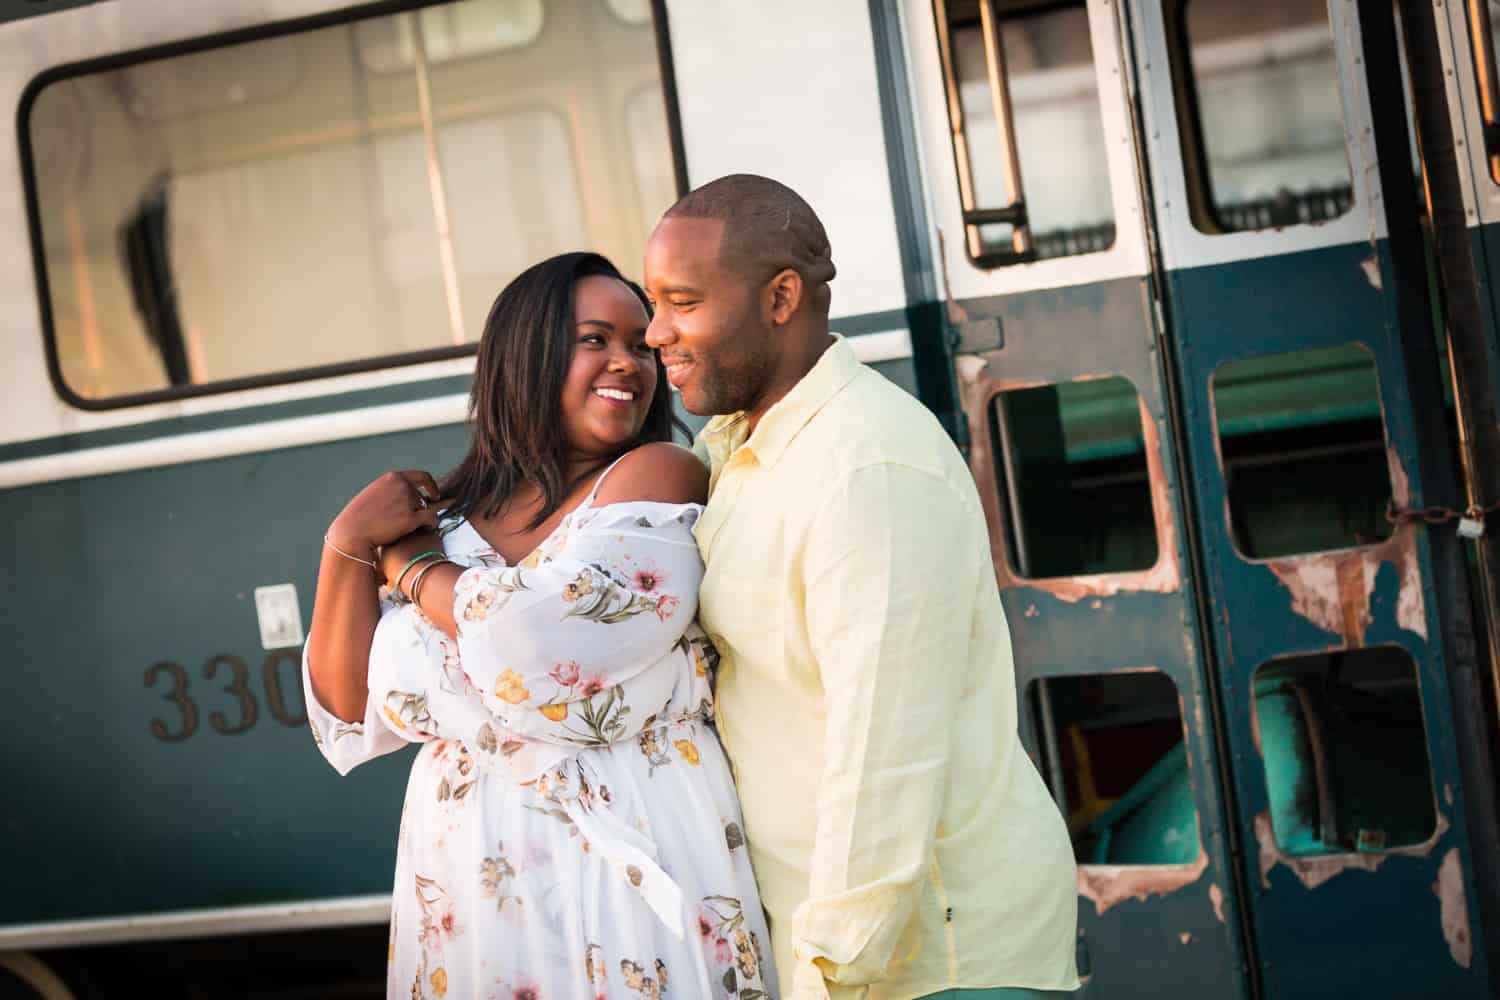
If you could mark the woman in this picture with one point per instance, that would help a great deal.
(570, 827)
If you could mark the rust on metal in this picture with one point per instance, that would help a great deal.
(1400, 483)
(977, 390)
(1109, 885)
(1333, 589)
(1315, 870)
(957, 314)
(1449, 889)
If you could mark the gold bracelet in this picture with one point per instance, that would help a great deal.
(368, 562)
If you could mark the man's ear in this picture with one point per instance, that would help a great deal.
(784, 295)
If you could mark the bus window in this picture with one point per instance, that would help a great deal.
(447, 32)
(1028, 139)
(1482, 16)
(1073, 478)
(336, 198)
(655, 185)
(1302, 440)
(1260, 114)
(1113, 753)
(1345, 751)
(630, 11)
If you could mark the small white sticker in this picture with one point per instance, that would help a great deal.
(279, 615)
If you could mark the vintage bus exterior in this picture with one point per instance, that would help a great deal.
(1164, 269)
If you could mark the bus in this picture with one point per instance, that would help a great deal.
(1205, 291)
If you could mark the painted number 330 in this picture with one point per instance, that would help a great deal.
(237, 674)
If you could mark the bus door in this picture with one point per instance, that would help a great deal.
(1044, 262)
(1301, 430)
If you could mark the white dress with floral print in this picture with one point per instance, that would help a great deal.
(570, 827)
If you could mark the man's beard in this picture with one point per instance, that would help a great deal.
(729, 391)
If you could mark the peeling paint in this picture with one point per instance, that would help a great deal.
(970, 366)
(1333, 589)
(1216, 897)
(1400, 483)
(1371, 267)
(1185, 937)
(1313, 871)
(1318, 594)
(957, 314)
(1109, 885)
(1411, 608)
(1448, 793)
(1449, 889)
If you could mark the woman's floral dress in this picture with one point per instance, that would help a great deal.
(570, 827)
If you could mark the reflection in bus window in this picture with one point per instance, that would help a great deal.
(339, 194)
(1271, 118)
(448, 31)
(646, 132)
(630, 11)
(1047, 62)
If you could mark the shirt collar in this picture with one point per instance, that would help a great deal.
(726, 433)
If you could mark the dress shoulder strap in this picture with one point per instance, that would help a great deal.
(588, 501)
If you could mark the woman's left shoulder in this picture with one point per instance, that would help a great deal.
(661, 472)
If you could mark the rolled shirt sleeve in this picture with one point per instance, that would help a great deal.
(890, 651)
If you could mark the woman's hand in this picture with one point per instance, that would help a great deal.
(390, 508)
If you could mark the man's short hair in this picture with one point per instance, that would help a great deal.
(767, 228)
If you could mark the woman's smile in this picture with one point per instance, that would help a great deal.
(622, 397)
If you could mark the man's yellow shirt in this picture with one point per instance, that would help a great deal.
(903, 841)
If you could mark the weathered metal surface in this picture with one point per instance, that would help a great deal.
(1149, 929)
(1109, 885)
(1314, 871)
(1449, 889)
(1314, 603)
(119, 803)
(1333, 590)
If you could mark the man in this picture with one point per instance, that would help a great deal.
(903, 842)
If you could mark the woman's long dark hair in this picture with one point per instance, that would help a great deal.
(515, 405)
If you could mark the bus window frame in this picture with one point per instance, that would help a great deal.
(1009, 522)
(261, 32)
(1486, 80)
(1203, 210)
(993, 15)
